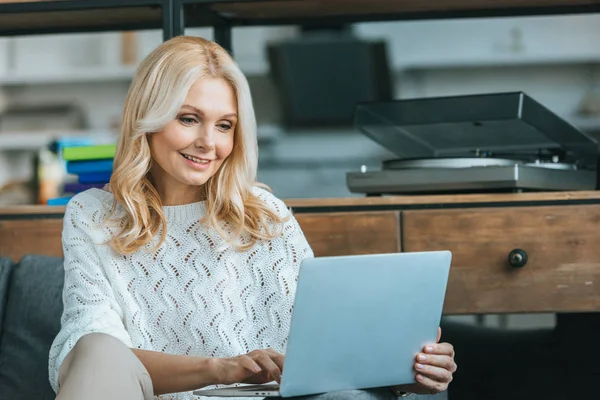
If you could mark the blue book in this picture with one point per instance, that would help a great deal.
(81, 187)
(95, 177)
(83, 167)
(67, 141)
(59, 201)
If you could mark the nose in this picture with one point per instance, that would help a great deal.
(206, 138)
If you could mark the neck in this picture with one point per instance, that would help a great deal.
(179, 197)
(177, 194)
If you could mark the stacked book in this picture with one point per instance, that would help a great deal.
(92, 165)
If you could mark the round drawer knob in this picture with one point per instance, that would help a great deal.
(517, 258)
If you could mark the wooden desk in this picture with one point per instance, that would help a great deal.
(557, 231)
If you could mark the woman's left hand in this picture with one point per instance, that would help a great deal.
(434, 368)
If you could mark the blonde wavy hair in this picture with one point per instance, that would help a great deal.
(155, 97)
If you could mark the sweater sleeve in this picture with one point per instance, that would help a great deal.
(89, 303)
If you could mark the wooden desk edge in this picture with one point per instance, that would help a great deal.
(389, 202)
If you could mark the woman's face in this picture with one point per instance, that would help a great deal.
(193, 146)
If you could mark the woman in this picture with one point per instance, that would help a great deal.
(182, 275)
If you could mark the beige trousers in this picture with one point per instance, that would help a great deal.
(101, 367)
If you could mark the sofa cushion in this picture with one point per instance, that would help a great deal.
(6, 265)
(31, 321)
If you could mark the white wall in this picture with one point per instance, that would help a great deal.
(488, 41)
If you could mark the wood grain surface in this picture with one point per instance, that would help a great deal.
(328, 234)
(318, 8)
(42, 236)
(563, 268)
(358, 202)
(334, 234)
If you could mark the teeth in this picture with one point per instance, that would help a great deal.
(196, 160)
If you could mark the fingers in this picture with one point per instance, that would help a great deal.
(434, 371)
(431, 385)
(439, 335)
(276, 357)
(267, 364)
(234, 369)
(249, 364)
(440, 348)
(435, 360)
(438, 374)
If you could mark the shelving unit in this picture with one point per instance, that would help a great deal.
(173, 16)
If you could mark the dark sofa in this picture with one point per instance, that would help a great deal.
(30, 310)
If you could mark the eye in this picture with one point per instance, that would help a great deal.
(224, 127)
(187, 120)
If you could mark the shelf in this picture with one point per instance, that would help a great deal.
(517, 60)
(31, 141)
(22, 17)
(84, 75)
(252, 12)
(34, 140)
(252, 67)
(101, 75)
(66, 16)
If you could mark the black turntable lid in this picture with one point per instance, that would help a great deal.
(459, 126)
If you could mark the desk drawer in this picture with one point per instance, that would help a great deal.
(561, 243)
(334, 234)
(35, 236)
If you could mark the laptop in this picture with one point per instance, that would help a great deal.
(358, 323)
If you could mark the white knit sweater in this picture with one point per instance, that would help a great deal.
(193, 296)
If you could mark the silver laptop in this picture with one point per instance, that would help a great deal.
(358, 322)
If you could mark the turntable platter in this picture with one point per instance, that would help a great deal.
(553, 165)
(454, 162)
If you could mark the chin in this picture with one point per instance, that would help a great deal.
(196, 180)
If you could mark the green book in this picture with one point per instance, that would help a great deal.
(97, 152)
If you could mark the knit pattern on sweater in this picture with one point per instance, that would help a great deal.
(194, 295)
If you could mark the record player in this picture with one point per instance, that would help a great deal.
(500, 142)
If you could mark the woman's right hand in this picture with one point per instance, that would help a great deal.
(256, 367)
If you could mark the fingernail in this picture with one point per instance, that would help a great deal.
(257, 369)
(419, 377)
(429, 348)
(419, 366)
(421, 357)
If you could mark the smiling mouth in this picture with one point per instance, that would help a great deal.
(201, 161)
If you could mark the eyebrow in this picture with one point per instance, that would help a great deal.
(198, 111)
